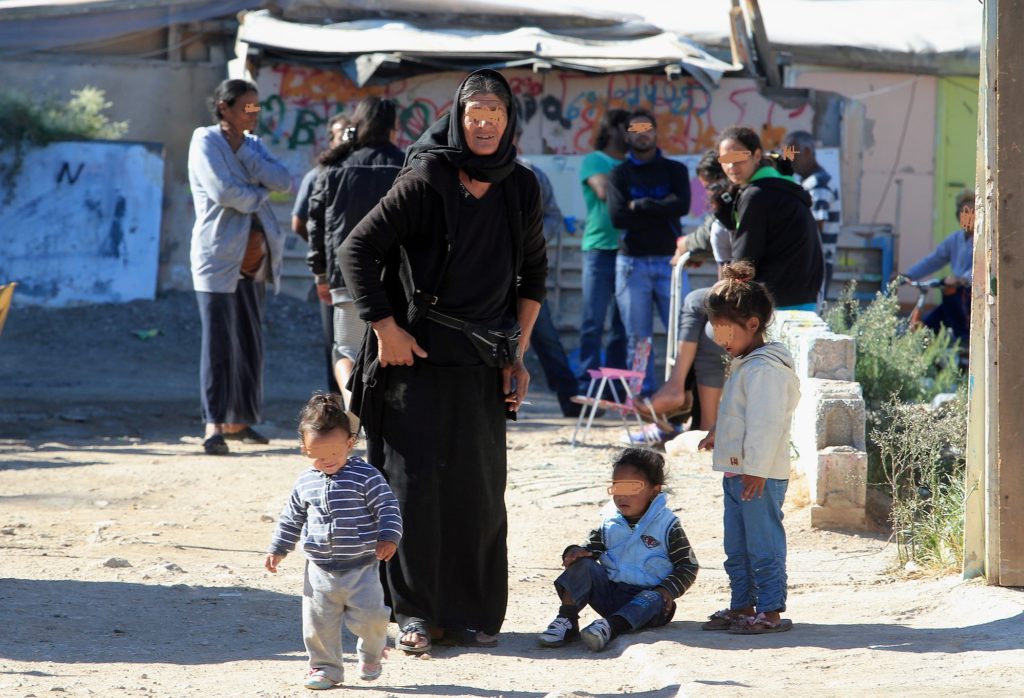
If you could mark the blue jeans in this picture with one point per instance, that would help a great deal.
(598, 294)
(587, 583)
(548, 346)
(641, 284)
(755, 546)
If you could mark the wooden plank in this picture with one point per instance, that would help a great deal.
(1008, 228)
(765, 53)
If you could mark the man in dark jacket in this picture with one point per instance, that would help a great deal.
(356, 175)
(647, 195)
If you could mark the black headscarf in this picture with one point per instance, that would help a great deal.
(445, 139)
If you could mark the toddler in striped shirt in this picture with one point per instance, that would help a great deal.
(348, 519)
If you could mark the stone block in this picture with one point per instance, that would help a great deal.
(828, 355)
(830, 413)
(831, 517)
(842, 478)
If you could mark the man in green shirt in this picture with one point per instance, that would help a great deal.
(600, 247)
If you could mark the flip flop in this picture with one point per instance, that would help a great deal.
(722, 620)
(417, 627)
(465, 637)
(760, 625)
(648, 414)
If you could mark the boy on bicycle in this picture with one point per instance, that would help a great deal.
(957, 250)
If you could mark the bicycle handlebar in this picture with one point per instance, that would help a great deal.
(930, 283)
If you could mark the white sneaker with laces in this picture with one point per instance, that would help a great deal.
(560, 631)
(597, 635)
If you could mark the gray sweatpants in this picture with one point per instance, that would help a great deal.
(354, 597)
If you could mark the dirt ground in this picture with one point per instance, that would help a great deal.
(132, 563)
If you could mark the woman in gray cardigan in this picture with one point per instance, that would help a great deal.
(237, 247)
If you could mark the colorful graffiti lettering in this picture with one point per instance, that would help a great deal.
(560, 112)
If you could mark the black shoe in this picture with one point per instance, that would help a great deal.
(216, 446)
(248, 435)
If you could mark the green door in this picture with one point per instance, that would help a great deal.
(956, 135)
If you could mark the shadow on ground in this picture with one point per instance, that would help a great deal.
(99, 622)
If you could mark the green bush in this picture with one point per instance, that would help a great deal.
(25, 122)
(922, 452)
(892, 359)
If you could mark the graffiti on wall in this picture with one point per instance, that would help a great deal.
(560, 111)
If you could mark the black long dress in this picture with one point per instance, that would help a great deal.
(437, 428)
(442, 443)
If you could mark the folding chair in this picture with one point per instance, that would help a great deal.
(630, 381)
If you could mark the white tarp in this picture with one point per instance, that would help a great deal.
(404, 40)
(903, 26)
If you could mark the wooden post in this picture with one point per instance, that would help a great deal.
(995, 433)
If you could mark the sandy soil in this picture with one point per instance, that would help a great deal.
(100, 465)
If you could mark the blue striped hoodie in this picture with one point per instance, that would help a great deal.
(344, 515)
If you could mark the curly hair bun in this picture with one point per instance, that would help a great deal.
(741, 271)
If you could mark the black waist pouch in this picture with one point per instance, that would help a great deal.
(498, 347)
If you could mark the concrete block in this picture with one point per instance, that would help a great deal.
(842, 478)
(828, 355)
(830, 517)
(830, 413)
(793, 322)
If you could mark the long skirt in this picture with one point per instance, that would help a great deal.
(231, 354)
(441, 445)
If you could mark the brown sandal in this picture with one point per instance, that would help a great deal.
(723, 620)
(759, 625)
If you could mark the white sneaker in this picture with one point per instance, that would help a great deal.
(560, 631)
(597, 635)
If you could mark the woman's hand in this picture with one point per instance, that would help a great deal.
(515, 375)
(708, 442)
(753, 486)
(396, 347)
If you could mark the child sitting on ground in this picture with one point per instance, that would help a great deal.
(635, 564)
(352, 521)
(751, 446)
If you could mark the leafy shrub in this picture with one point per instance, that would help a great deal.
(25, 122)
(922, 451)
(892, 359)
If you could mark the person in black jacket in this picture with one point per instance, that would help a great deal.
(773, 227)
(357, 173)
(446, 268)
(647, 195)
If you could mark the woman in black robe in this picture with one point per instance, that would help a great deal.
(448, 269)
